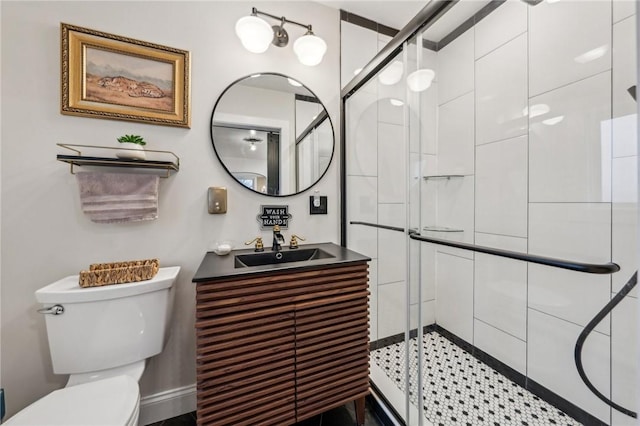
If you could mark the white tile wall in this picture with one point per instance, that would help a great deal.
(505, 23)
(623, 9)
(363, 239)
(415, 181)
(455, 207)
(428, 271)
(500, 345)
(362, 130)
(624, 182)
(426, 316)
(391, 256)
(501, 187)
(455, 63)
(624, 123)
(501, 92)
(550, 361)
(624, 66)
(561, 50)
(624, 358)
(624, 238)
(423, 271)
(625, 135)
(454, 293)
(429, 106)
(555, 292)
(572, 231)
(428, 192)
(391, 214)
(428, 313)
(502, 242)
(569, 161)
(391, 163)
(358, 46)
(500, 294)
(388, 112)
(362, 198)
(455, 136)
(392, 308)
(416, 265)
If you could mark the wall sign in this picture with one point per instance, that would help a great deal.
(274, 215)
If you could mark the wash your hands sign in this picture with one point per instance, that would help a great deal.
(270, 216)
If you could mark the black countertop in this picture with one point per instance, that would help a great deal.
(214, 267)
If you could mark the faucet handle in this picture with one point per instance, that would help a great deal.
(294, 241)
(259, 245)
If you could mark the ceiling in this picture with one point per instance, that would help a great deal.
(392, 13)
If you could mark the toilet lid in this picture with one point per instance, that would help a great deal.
(106, 402)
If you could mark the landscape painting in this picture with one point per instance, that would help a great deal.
(116, 77)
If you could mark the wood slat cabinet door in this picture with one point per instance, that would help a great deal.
(332, 343)
(245, 359)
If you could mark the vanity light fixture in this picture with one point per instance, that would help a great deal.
(256, 35)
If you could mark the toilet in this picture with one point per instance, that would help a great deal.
(101, 337)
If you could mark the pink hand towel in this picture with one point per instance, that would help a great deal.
(118, 197)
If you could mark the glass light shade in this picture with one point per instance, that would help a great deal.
(254, 33)
(391, 74)
(420, 80)
(294, 83)
(310, 49)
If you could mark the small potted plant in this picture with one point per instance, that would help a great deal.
(133, 147)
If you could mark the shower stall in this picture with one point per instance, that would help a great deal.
(489, 170)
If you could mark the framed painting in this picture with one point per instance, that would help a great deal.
(108, 76)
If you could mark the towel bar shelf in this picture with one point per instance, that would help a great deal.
(83, 160)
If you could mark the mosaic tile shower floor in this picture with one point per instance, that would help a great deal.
(461, 390)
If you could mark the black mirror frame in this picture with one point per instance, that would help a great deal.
(333, 150)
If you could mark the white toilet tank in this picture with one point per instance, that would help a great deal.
(109, 326)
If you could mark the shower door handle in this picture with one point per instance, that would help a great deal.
(52, 310)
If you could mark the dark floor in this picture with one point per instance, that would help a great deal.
(341, 416)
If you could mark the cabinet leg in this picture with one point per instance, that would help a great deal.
(359, 411)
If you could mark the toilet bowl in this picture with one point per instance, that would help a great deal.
(101, 337)
(107, 402)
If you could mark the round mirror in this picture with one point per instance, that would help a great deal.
(272, 134)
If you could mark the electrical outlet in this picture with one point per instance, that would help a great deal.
(316, 207)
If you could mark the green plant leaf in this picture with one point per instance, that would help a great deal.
(132, 139)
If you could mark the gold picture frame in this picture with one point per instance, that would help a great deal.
(113, 77)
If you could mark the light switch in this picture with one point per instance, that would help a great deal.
(217, 200)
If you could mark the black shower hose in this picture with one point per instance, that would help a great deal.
(589, 328)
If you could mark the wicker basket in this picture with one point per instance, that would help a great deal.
(119, 272)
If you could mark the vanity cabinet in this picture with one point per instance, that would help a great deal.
(278, 347)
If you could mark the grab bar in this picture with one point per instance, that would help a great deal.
(375, 225)
(589, 328)
(589, 268)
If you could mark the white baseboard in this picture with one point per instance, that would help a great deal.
(167, 404)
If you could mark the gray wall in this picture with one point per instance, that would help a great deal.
(46, 237)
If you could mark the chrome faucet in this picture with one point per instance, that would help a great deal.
(278, 239)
